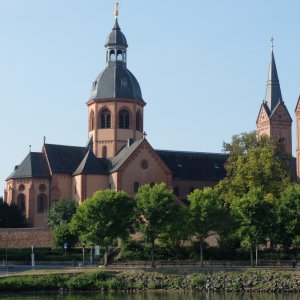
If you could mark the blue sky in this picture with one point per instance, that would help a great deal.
(202, 67)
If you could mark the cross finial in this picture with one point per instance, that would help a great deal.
(44, 139)
(116, 13)
(29, 148)
(144, 134)
(272, 43)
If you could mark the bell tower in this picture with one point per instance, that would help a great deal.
(116, 106)
(274, 119)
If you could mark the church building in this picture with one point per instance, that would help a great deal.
(117, 155)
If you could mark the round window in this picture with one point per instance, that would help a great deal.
(144, 164)
(21, 187)
(42, 187)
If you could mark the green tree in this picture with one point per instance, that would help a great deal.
(206, 214)
(157, 209)
(254, 164)
(62, 234)
(58, 218)
(61, 212)
(254, 213)
(102, 219)
(11, 216)
(288, 216)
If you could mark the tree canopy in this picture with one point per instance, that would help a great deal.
(102, 219)
(206, 213)
(11, 216)
(254, 163)
(157, 209)
(61, 212)
(255, 216)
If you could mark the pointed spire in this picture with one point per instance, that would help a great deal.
(273, 92)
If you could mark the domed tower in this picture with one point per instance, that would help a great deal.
(115, 107)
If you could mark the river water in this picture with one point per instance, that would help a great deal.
(152, 296)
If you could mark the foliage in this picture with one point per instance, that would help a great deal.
(62, 234)
(288, 216)
(102, 219)
(61, 212)
(255, 216)
(254, 164)
(205, 214)
(158, 210)
(11, 216)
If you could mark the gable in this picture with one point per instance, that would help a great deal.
(281, 114)
(263, 115)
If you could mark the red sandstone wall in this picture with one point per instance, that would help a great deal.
(25, 237)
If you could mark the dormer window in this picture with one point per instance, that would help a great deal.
(124, 82)
(216, 165)
(94, 85)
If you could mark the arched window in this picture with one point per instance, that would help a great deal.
(112, 55)
(104, 151)
(105, 118)
(119, 55)
(124, 119)
(138, 121)
(41, 203)
(92, 121)
(136, 186)
(21, 202)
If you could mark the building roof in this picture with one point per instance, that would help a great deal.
(117, 161)
(92, 165)
(116, 37)
(116, 82)
(64, 159)
(194, 165)
(33, 166)
(273, 91)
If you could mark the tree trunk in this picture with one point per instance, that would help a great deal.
(251, 256)
(256, 255)
(201, 254)
(106, 256)
(152, 253)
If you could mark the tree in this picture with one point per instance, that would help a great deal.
(288, 216)
(254, 163)
(206, 213)
(254, 213)
(58, 218)
(11, 216)
(62, 234)
(61, 212)
(102, 219)
(157, 210)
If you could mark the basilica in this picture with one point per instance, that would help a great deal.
(117, 155)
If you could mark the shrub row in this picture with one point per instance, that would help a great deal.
(250, 281)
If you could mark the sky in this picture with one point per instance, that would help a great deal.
(202, 67)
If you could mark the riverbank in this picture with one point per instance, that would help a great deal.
(246, 281)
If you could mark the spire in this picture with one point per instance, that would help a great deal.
(273, 92)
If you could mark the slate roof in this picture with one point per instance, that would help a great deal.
(33, 166)
(117, 161)
(116, 82)
(64, 159)
(273, 91)
(116, 37)
(194, 165)
(92, 165)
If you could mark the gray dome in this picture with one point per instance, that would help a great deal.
(116, 82)
(116, 37)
